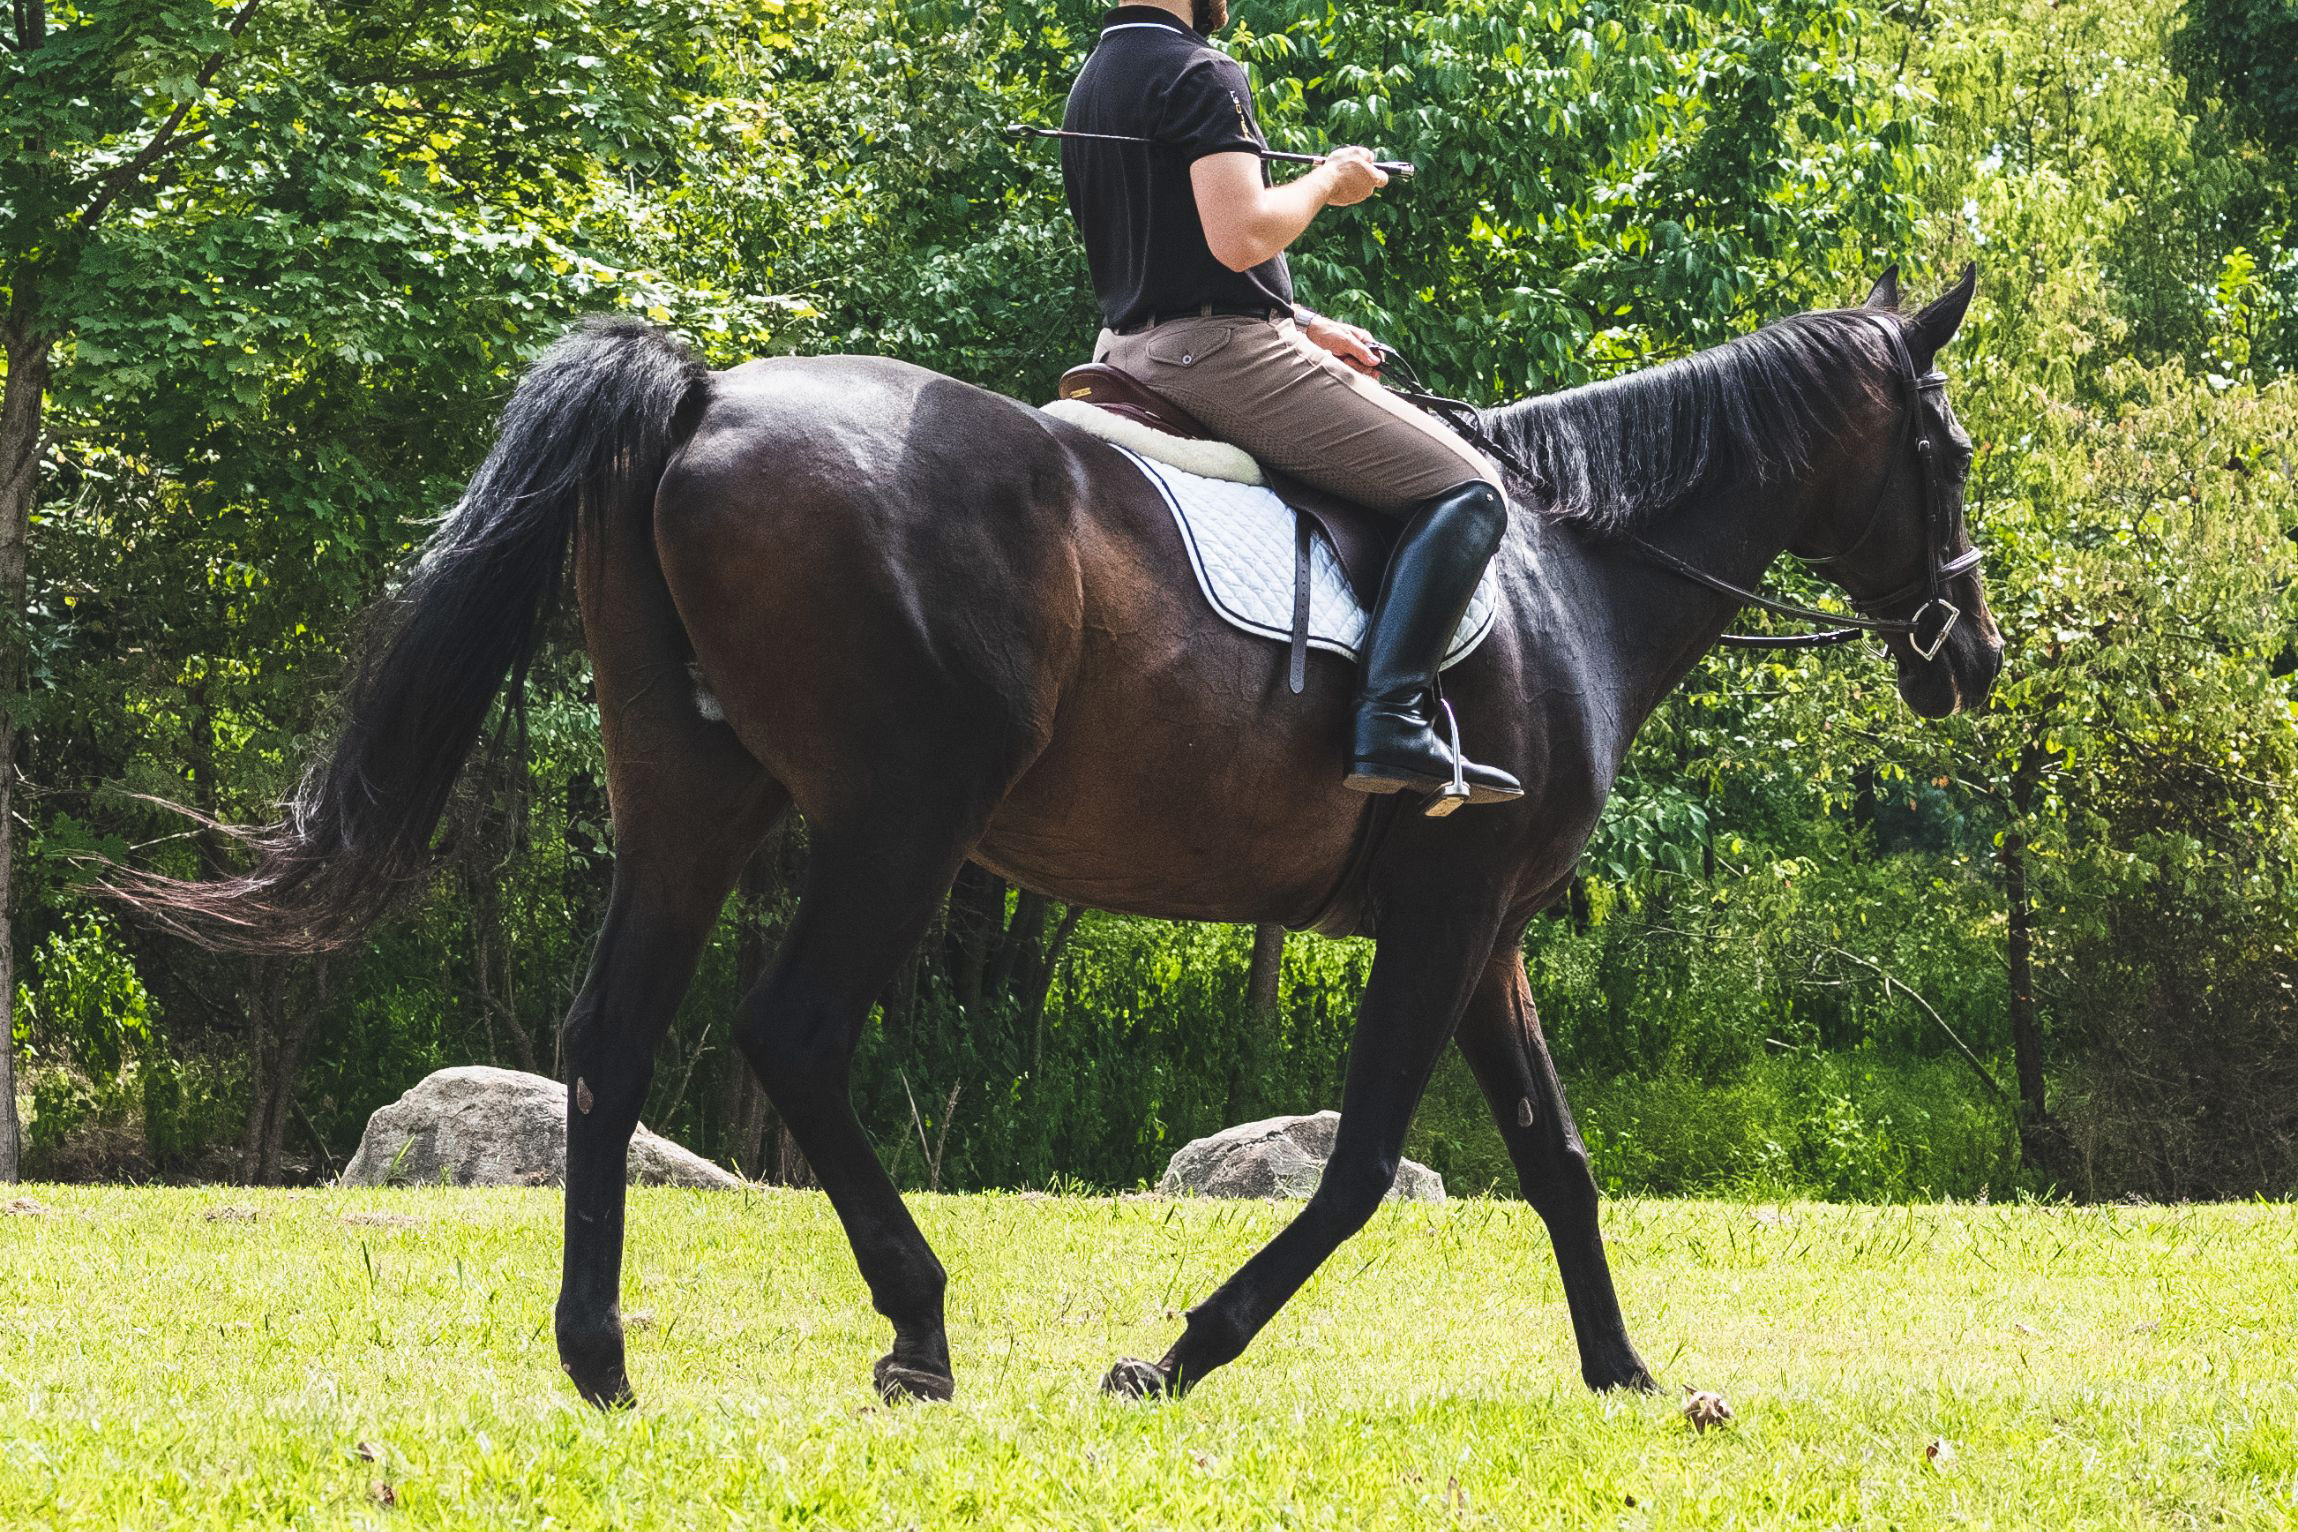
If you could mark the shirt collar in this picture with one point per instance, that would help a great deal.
(1133, 15)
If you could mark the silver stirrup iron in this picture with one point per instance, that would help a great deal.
(1455, 792)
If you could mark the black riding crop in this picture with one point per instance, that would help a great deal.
(1398, 169)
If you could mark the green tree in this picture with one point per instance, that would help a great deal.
(266, 250)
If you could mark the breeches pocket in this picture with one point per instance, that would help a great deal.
(1191, 343)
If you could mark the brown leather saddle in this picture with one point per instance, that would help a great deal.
(1362, 539)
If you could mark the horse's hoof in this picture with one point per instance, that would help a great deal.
(1135, 1379)
(593, 1359)
(897, 1382)
(1629, 1377)
(606, 1393)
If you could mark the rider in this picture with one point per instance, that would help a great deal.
(1186, 243)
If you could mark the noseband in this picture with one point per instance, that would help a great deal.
(1925, 631)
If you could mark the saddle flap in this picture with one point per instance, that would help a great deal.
(1362, 539)
(1120, 393)
(1246, 548)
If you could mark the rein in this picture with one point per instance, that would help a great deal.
(1936, 613)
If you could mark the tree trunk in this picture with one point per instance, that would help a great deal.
(487, 841)
(1264, 975)
(491, 971)
(745, 1101)
(756, 1141)
(1265, 971)
(257, 1004)
(2038, 1135)
(1039, 985)
(294, 1022)
(2042, 1143)
(21, 404)
(280, 1019)
(1018, 946)
(976, 922)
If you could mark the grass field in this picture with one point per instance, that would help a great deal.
(322, 1358)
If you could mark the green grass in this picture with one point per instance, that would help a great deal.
(223, 1358)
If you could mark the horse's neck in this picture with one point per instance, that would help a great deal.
(1636, 628)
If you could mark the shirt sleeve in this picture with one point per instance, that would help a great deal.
(1209, 111)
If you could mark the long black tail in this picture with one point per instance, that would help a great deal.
(585, 436)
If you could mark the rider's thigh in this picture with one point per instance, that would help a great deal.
(1271, 390)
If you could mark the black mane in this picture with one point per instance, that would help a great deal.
(1614, 455)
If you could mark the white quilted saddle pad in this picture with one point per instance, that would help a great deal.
(1240, 542)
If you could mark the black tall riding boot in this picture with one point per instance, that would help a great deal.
(1394, 746)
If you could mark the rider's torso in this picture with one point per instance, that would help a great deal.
(1153, 77)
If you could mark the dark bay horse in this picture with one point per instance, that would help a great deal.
(946, 626)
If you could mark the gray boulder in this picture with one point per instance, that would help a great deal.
(477, 1126)
(1276, 1157)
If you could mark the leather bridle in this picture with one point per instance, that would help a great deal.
(1925, 630)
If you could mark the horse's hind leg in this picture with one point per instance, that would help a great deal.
(689, 807)
(1427, 962)
(1500, 1038)
(871, 889)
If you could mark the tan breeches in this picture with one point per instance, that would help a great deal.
(1265, 386)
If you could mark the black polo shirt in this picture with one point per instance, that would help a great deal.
(1151, 76)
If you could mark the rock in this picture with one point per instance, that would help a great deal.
(477, 1126)
(1276, 1157)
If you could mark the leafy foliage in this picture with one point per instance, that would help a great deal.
(279, 348)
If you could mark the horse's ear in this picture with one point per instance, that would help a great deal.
(1930, 330)
(1884, 294)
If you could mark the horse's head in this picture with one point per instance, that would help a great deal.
(1894, 539)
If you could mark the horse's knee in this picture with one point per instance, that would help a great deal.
(607, 1081)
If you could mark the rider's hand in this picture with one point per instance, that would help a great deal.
(1353, 175)
(1353, 344)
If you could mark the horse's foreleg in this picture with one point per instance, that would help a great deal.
(1500, 1038)
(869, 898)
(1426, 965)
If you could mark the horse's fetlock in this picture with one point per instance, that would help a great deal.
(1211, 1337)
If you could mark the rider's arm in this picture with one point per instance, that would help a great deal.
(1247, 223)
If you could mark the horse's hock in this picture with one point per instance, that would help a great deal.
(478, 1126)
(1277, 1157)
